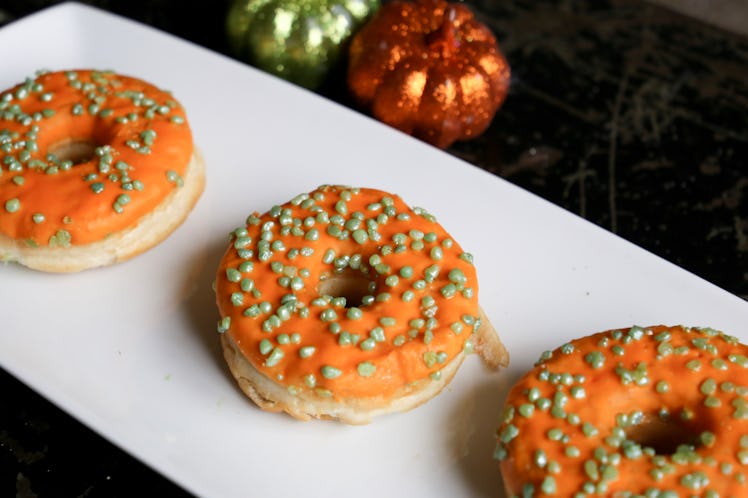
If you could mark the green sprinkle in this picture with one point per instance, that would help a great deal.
(237, 298)
(310, 380)
(448, 291)
(554, 434)
(341, 207)
(526, 410)
(383, 297)
(428, 336)
(712, 402)
(744, 441)
(466, 256)
(60, 239)
(368, 344)
(360, 236)
(719, 364)
(430, 358)
(38, 218)
(312, 235)
(233, 275)
(406, 271)
(708, 387)
(174, 178)
(694, 480)
(595, 359)
(97, 187)
(344, 339)
(468, 347)
(354, 313)
(590, 468)
(329, 372)
(328, 257)
(577, 392)
(456, 276)
(589, 430)
(572, 451)
(12, 205)
(708, 438)
(540, 458)
(366, 369)
(307, 351)
(508, 433)
(431, 273)
(274, 358)
(224, 324)
(738, 359)
(377, 333)
(265, 347)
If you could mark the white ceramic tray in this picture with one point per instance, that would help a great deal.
(132, 351)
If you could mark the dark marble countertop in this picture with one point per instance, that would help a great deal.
(631, 116)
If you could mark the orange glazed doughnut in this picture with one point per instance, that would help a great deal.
(345, 304)
(640, 412)
(95, 167)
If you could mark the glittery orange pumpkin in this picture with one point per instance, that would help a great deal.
(430, 69)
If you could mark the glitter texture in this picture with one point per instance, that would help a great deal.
(430, 69)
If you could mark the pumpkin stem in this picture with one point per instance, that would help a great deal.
(444, 40)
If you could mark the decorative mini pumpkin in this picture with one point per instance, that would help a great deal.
(430, 69)
(298, 40)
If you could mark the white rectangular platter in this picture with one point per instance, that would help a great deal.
(132, 351)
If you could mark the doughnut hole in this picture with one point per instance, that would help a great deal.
(349, 284)
(664, 434)
(76, 151)
(90, 134)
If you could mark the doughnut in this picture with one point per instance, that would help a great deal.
(95, 168)
(346, 304)
(659, 411)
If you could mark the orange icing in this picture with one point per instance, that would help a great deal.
(99, 112)
(368, 350)
(630, 412)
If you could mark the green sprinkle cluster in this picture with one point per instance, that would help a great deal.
(274, 254)
(619, 422)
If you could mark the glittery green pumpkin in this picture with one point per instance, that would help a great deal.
(298, 40)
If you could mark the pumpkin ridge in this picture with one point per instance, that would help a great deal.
(466, 76)
(298, 40)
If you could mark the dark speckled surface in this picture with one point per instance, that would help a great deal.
(644, 128)
(629, 115)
